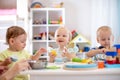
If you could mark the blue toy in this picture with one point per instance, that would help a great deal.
(111, 53)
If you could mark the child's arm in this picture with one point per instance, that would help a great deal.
(6, 62)
(92, 53)
(11, 73)
(68, 55)
(52, 57)
(38, 54)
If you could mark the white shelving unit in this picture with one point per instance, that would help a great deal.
(44, 22)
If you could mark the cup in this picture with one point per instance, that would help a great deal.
(100, 64)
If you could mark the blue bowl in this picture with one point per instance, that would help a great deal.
(117, 46)
(111, 53)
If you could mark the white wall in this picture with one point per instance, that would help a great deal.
(78, 16)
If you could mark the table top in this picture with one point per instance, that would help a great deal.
(62, 71)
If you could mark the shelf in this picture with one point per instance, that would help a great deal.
(39, 25)
(39, 40)
(46, 9)
(51, 25)
(51, 41)
(44, 22)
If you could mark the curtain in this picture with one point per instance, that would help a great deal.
(118, 8)
(105, 12)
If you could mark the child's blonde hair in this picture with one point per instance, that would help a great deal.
(14, 31)
(103, 29)
(69, 33)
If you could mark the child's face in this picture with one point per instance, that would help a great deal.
(105, 39)
(19, 42)
(62, 37)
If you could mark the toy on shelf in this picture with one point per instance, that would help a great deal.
(41, 36)
(36, 5)
(59, 21)
(53, 22)
(39, 21)
(37, 37)
(58, 5)
(36, 22)
(51, 36)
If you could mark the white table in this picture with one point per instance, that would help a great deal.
(61, 74)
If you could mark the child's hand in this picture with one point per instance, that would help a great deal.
(38, 54)
(7, 61)
(21, 66)
(41, 51)
(65, 52)
(3, 69)
(52, 57)
(103, 50)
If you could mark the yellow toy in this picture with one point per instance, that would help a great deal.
(88, 61)
(53, 52)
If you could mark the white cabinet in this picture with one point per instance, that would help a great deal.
(44, 22)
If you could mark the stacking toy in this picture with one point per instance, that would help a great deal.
(111, 57)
